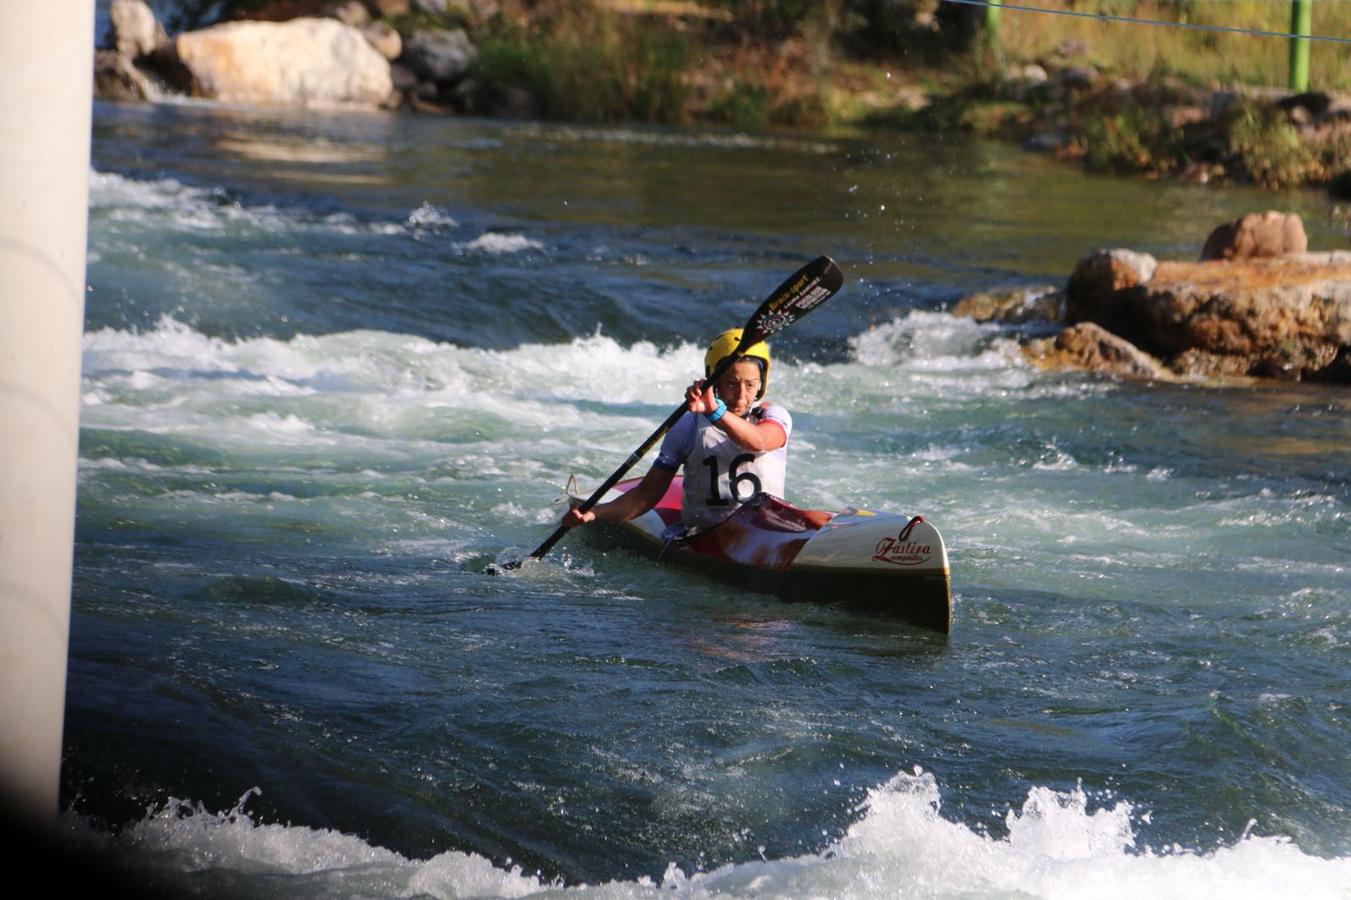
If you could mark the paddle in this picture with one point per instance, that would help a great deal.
(805, 289)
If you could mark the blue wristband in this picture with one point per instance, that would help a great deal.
(717, 413)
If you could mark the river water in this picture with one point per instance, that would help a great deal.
(337, 365)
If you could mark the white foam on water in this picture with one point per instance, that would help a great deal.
(593, 368)
(1265, 511)
(533, 516)
(933, 341)
(1060, 461)
(428, 216)
(377, 399)
(1059, 844)
(390, 383)
(925, 356)
(169, 202)
(181, 838)
(107, 190)
(498, 244)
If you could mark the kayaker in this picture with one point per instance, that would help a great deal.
(732, 443)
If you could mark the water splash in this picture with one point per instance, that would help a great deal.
(1057, 846)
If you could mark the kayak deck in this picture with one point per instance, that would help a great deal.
(881, 563)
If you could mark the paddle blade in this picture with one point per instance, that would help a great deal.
(805, 289)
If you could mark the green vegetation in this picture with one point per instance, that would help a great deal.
(1122, 97)
(1133, 140)
(742, 105)
(582, 65)
(1269, 149)
(1197, 57)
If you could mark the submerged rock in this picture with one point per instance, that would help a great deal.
(117, 79)
(312, 63)
(1092, 347)
(1042, 303)
(134, 37)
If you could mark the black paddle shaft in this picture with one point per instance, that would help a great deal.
(805, 289)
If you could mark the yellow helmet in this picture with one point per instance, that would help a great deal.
(725, 344)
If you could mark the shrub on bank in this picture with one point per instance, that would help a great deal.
(1264, 144)
(591, 67)
(1123, 143)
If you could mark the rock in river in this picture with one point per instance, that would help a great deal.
(1285, 317)
(1265, 234)
(1092, 347)
(313, 63)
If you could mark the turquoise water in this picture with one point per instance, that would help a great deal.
(336, 365)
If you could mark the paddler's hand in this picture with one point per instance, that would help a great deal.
(572, 518)
(697, 401)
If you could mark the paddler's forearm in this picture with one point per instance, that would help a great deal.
(757, 438)
(631, 505)
(626, 507)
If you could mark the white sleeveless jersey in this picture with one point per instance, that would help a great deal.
(720, 474)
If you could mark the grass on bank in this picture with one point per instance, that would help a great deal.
(794, 62)
(1199, 57)
(594, 67)
(656, 61)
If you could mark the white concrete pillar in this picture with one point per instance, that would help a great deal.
(46, 78)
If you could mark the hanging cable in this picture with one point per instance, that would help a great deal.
(1132, 20)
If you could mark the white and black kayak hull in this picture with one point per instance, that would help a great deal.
(879, 562)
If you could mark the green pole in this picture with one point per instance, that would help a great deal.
(992, 20)
(992, 32)
(1301, 23)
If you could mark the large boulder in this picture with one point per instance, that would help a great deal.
(1257, 235)
(313, 63)
(132, 29)
(1287, 316)
(1110, 270)
(1106, 273)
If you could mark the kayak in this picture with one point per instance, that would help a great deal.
(882, 563)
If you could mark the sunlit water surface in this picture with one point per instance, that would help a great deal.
(336, 365)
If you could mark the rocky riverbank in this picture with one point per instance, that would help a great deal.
(1158, 127)
(670, 61)
(1257, 305)
(346, 55)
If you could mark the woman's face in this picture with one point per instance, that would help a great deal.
(738, 386)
